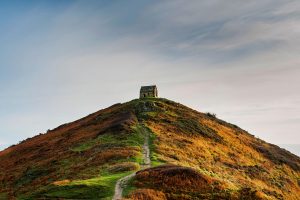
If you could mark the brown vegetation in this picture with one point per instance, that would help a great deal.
(223, 151)
(207, 158)
(175, 178)
(48, 158)
(147, 194)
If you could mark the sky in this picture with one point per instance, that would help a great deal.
(61, 60)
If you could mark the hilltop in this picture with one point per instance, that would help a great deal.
(193, 155)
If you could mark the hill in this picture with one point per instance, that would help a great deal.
(193, 155)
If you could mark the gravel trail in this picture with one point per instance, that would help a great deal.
(122, 182)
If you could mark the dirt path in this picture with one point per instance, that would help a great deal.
(122, 183)
(146, 150)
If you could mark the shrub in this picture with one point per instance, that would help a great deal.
(213, 115)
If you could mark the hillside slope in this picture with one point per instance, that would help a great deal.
(193, 156)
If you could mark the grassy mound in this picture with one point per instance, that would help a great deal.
(184, 183)
(175, 182)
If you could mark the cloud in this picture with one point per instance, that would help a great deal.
(213, 28)
(235, 58)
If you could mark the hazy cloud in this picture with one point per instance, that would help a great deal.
(61, 60)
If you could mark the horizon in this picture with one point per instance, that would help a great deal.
(62, 60)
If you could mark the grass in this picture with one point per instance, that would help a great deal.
(3, 196)
(108, 180)
(95, 188)
(104, 142)
(151, 113)
(30, 175)
(172, 179)
(155, 161)
(123, 167)
(135, 139)
(192, 126)
(103, 186)
(100, 187)
(171, 113)
(85, 146)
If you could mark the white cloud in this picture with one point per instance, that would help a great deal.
(238, 59)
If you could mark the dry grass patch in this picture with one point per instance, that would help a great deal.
(147, 194)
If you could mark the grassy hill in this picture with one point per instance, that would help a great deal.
(193, 155)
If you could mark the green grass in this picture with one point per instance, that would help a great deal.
(85, 146)
(155, 161)
(100, 187)
(151, 113)
(171, 113)
(137, 159)
(95, 188)
(135, 138)
(108, 180)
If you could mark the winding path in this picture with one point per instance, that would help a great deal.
(120, 185)
(122, 182)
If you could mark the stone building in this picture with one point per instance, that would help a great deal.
(148, 91)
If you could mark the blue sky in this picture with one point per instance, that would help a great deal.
(61, 60)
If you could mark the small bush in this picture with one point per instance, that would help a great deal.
(213, 115)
